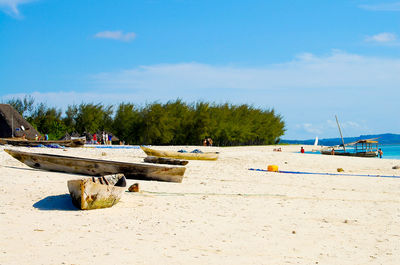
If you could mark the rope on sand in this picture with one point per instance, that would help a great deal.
(330, 174)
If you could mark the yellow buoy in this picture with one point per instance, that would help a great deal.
(273, 168)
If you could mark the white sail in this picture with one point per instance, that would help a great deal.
(316, 141)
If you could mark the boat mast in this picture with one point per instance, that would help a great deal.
(340, 131)
(12, 123)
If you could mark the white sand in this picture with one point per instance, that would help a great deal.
(221, 213)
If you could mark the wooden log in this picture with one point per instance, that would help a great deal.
(165, 160)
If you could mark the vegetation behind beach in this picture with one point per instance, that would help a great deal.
(174, 122)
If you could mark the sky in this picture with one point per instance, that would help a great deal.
(308, 60)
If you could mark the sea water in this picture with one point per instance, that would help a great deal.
(391, 151)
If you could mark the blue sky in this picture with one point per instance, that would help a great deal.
(309, 60)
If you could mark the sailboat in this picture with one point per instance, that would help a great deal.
(360, 148)
(316, 141)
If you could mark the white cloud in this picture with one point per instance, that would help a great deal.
(11, 6)
(382, 7)
(384, 37)
(310, 128)
(337, 70)
(115, 35)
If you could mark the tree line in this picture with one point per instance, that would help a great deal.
(172, 123)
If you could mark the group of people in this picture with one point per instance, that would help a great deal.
(106, 139)
(207, 142)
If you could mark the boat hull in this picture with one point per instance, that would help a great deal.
(178, 155)
(359, 154)
(88, 194)
(97, 167)
(33, 143)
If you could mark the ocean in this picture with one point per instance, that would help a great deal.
(391, 151)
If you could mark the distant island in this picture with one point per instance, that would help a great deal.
(387, 138)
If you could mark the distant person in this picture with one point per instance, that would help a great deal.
(380, 153)
(210, 141)
(110, 139)
(205, 142)
(333, 151)
(94, 139)
(103, 138)
(46, 137)
(302, 150)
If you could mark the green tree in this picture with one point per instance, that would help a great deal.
(92, 118)
(22, 106)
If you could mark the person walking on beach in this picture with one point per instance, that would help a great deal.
(380, 153)
(302, 150)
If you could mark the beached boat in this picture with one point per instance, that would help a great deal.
(178, 155)
(361, 148)
(97, 167)
(95, 193)
(24, 142)
(165, 160)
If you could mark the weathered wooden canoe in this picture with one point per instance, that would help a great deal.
(178, 155)
(24, 142)
(97, 167)
(165, 160)
(95, 193)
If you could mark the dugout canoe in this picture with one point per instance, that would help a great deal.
(98, 167)
(33, 143)
(165, 160)
(178, 155)
(95, 193)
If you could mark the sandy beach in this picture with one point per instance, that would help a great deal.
(222, 213)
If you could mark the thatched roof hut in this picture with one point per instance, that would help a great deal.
(12, 124)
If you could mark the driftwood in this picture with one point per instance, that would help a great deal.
(165, 160)
(95, 193)
(97, 167)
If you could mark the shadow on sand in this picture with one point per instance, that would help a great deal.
(57, 202)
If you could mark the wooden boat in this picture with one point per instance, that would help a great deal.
(178, 155)
(24, 142)
(95, 193)
(165, 160)
(97, 167)
(361, 148)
